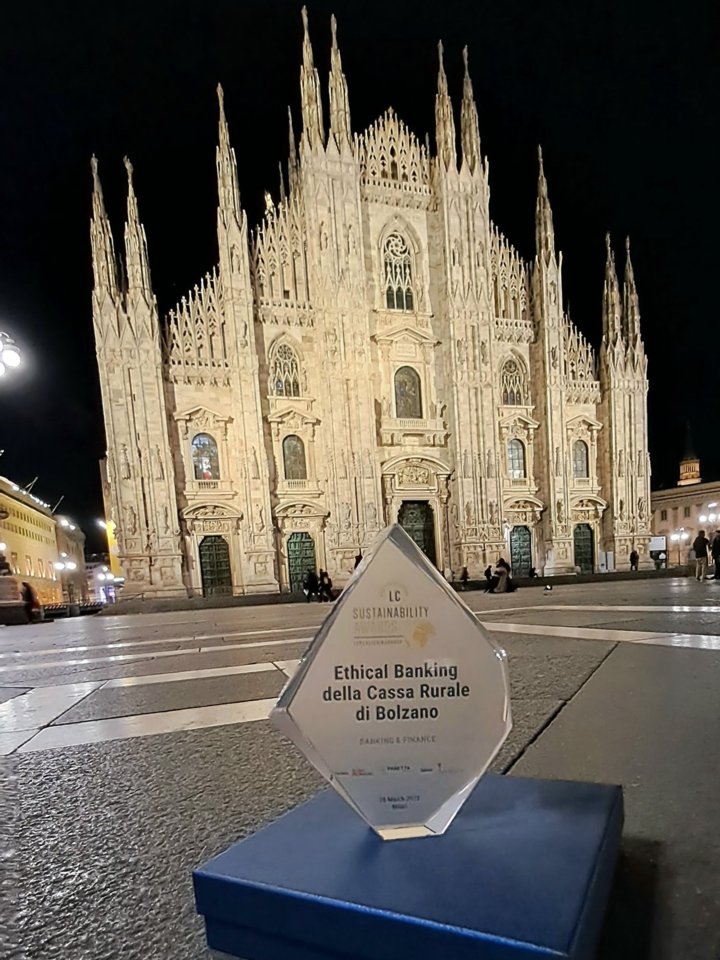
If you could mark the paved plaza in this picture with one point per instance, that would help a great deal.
(136, 747)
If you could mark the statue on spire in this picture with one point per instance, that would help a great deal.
(229, 209)
(444, 120)
(103, 250)
(544, 231)
(293, 170)
(612, 308)
(631, 305)
(136, 255)
(469, 125)
(339, 104)
(313, 126)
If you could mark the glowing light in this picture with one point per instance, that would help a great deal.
(3, 547)
(101, 576)
(702, 518)
(712, 517)
(71, 565)
(2, 369)
(59, 565)
(64, 523)
(103, 524)
(11, 356)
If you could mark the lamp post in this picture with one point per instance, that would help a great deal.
(679, 537)
(9, 353)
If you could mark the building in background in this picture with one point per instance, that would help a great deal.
(28, 540)
(375, 351)
(679, 513)
(70, 565)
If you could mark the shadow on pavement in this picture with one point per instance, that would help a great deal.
(628, 927)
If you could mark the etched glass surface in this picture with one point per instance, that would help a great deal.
(402, 700)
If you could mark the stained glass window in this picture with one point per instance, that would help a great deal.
(206, 462)
(580, 459)
(397, 273)
(285, 372)
(408, 398)
(516, 460)
(513, 384)
(294, 458)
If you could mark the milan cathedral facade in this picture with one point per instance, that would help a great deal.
(375, 351)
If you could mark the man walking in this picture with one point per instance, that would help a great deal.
(700, 546)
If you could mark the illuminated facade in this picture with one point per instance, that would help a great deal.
(376, 350)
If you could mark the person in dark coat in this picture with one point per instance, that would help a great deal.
(311, 585)
(325, 592)
(634, 559)
(358, 560)
(464, 577)
(700, 546)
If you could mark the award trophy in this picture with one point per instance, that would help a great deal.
(401, 702)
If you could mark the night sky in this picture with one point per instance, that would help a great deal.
(622, 95)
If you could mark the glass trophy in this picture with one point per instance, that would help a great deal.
(402, 700)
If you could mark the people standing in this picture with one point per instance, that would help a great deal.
(464, 577)
(700, 546)
(502, 580)
(634, 559)
(325, 592)
(310, 586)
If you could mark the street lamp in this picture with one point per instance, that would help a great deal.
(9, 353)
(679, 538)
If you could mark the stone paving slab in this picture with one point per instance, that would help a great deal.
(176, 695)
(648, 719)
(9, 693)
(185, 660)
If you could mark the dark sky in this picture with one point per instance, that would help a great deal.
(622, 95)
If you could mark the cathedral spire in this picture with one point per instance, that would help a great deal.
(136, 255)
(469, 125)
(228, 190)
(339, 105)
(612, 309)
(631, 305)
(444, 121)
(103, 250)
(312, 117)
(544, 231)
(293, 172)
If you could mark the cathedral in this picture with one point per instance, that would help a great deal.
(375, 351)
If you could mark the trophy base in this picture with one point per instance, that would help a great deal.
(524, 871)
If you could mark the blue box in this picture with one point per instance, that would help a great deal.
(524, 871)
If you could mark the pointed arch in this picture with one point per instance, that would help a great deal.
(514, 383)
(285, 377)
(517, 460)
(399, 257)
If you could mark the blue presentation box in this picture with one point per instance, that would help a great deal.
(524, 871)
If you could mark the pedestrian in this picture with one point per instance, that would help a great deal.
(310, 586)
(700, 546)
(532, 573)
(488, 577)
(464, 577)
(715, 551)
(503, 581)
(634, 559)
(325, 592)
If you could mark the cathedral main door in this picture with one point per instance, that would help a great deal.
(215, 567)
(301, 558)
(416, 519)
(520, 553)
(584, 547)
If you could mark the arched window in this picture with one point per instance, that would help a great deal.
(580, 460)
(206, 462)
(285, 372)
(294, 458)
(397, 267)
(513, 384)
(516, 460)
(408, 398)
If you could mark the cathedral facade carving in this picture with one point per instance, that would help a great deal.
(374, 351)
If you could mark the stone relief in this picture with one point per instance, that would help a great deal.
(130, 521)
(413, 475)
(125, 472)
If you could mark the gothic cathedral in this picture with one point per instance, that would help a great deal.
(375, 351)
